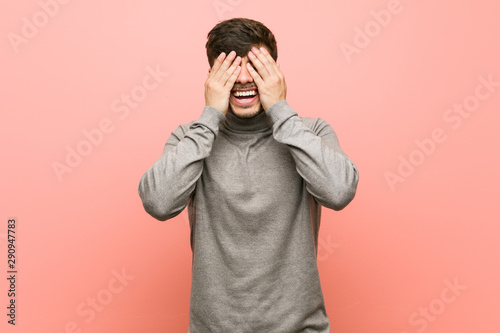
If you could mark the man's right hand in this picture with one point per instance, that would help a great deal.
(221, 80)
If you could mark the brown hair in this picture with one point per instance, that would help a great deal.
(239, 34)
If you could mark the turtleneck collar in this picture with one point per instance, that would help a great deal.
(259, 123)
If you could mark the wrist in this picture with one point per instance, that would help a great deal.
(280, 110)
(274, 103)
(216, 107)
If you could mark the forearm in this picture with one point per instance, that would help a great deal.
(166, 186)
(330, 176)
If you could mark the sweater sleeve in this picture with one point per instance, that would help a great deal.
(330, 176)
(166, 186)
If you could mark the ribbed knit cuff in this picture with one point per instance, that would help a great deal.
(280, 111)
(211, 118)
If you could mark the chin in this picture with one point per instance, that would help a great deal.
(246, 112)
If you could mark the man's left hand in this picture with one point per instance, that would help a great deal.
(269, 79)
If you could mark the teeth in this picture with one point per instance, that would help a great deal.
(245, 93)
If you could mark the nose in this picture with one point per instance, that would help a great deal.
(244, 76)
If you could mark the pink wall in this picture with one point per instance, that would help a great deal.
(416, 251)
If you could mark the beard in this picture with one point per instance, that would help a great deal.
(246, 114)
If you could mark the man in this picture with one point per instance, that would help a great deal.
(254, 176)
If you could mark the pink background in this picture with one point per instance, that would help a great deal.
(386, 261)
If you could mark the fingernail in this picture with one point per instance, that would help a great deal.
(263, 49)
(254, 48)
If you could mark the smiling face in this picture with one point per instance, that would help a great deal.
(244, 101)
(239, 35)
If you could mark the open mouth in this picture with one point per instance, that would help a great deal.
(245, 96)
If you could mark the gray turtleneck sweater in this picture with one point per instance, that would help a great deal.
(254, 190)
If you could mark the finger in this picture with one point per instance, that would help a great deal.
(266, 60)
(261, 68)
(256, 77)
(270, 60)
(232, 79)
(216, 65)
(230, 70)
(225, 65)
